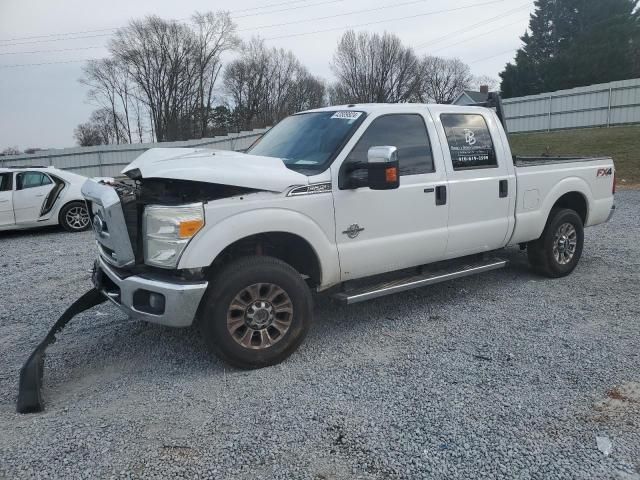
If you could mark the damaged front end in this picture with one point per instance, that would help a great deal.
(164, 296)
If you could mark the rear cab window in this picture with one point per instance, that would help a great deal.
(469, 140)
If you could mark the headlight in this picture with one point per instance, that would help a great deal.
(167, 231)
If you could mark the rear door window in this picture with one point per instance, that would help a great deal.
(469, 140)
(32, 179)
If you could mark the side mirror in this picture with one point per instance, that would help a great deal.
(383, 168)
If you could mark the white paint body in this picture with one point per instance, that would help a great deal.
(21, 209)
(402, 227)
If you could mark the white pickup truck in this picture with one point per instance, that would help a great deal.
(356, 201)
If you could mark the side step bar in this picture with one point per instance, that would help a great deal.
(416, 281)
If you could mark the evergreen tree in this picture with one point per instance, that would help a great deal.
(574, 43)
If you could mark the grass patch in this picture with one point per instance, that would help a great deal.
(620, 143)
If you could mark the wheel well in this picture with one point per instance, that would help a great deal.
(289, 248)
(576, 202)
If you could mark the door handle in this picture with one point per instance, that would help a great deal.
(441, 195)
(429, 190)
(503, 188)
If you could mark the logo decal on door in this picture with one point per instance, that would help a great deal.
(353, 231)
(469, 136)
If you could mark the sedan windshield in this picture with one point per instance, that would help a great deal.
(308, 140)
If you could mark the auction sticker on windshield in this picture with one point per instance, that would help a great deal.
(346, 115)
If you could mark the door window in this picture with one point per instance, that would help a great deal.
(32, 179)
(406, 132)
(5, 181)
(470, 142)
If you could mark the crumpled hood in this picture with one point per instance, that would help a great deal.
(217, 166)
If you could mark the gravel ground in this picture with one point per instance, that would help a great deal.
(504, 375)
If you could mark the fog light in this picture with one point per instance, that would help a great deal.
(149, 302)
(156, 302)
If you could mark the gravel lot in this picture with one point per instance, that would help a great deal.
(504, 375)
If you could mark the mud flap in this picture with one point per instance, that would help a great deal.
(29, 397)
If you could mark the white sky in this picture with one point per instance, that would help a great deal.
(41, 105)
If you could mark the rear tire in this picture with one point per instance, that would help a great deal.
(558, 250)
(74, 217)
(256, 312)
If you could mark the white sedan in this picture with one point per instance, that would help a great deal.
(36, 197)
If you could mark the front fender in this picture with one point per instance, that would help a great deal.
(207, 245)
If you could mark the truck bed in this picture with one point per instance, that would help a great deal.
(530, 161)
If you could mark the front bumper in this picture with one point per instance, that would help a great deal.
(149, 298)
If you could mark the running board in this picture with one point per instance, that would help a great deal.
(416, 281)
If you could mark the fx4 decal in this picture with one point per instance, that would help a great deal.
(604, 172)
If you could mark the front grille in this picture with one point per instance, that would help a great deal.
(128, 196)
(109, 224)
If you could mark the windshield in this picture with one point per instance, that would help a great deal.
(308, 140)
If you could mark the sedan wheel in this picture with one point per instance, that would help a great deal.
(74, 217)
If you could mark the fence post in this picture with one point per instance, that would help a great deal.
(609, 108)
(100, 171)
(549, 123)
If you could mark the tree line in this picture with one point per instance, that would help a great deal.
(164, 80)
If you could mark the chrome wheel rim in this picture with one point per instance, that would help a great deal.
(259, 316)
(565, 242)
(77, 218)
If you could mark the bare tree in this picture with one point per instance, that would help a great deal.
(265, 85)
(88, 135)
(246, 82)
(374, 68)
(110, 88)
(173, 69)
(308, 92)
(442, 79)
(215, 34)
(101, 129)
(157, 55)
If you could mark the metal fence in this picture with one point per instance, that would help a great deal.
(109, 160)
(602, 105)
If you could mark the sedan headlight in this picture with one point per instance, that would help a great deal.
(167, 231)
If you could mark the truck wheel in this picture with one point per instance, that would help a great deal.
(74, 217)
(256, 312)
(557, 252)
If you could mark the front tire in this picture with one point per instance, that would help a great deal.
(74, 217)
(558, 250)
(256, 312)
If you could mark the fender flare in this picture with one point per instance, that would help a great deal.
(205, 247)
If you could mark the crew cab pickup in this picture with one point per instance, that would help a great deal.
(354, 201)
